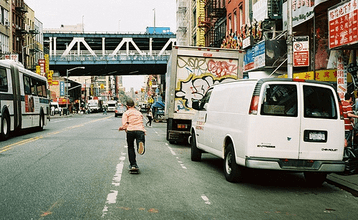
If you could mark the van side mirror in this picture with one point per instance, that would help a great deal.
(196, 104)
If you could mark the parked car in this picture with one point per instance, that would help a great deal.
(276, 124)
(120, 110)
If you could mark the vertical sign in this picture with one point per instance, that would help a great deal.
(38, 70)
(62, 88)
(42, 64)
(49, 77)
(259, 55)
(341, 77)
(47, 63)
(301, 55)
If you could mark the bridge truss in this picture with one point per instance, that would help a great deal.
(109, 54)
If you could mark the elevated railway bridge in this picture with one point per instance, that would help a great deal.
(109, 53)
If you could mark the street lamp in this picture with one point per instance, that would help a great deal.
(67, 71)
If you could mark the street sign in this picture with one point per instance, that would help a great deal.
(301, 54)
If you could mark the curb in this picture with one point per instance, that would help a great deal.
(347, 183)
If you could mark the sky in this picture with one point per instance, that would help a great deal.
(125, 16)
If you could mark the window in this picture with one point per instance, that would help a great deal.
(27, 85)
(33, 87)
(205, 99)
(280, 100)
(3, 80)
(319, 103)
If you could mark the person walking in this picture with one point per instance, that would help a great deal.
(150, 117)
(105, 109)
(132, 123)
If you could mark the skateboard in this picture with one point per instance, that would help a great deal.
(134, 171)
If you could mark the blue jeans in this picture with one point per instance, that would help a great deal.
(139, 136)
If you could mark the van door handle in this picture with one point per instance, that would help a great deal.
(205, 117)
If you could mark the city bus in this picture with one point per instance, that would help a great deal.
(24, 99)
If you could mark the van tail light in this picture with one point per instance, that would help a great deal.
(341, 110)
(254, 105)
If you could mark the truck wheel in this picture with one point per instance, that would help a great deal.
(315, 179)
(233, 172)
(5, 127)
(195, 152)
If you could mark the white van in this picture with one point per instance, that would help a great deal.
(276, 124)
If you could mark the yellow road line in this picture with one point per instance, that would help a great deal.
(11, 146)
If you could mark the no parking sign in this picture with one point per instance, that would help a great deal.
(301, 53)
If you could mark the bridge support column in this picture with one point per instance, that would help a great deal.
(54, 46)
(50, 38)
(103, 46)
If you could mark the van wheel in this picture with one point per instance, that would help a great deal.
(195, 151)
(233, 172)
(5, 127)
(315, 179)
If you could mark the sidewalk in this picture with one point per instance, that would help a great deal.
(348, 183)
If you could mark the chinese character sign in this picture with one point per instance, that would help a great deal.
(341, 77)
(342, 24)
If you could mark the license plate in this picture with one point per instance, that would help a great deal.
(315, 136)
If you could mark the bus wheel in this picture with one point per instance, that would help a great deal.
(5, 127)
(41, 123)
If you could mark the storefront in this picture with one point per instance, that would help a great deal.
(343, 44)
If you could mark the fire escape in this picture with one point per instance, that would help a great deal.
(214, 22)
(19, 26)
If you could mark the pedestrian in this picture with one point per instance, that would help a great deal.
(150, 117)
(348, 117)
(52, 110)
(132, 123)
(105, 109)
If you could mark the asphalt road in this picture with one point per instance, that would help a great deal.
(76, 168)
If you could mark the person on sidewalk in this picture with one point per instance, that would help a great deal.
(350, 150)
(348, 117)
(132, 123)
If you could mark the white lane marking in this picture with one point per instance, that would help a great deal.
(118, 175)
(112, 197)
(171, 150)
(206, 199)
(174, 154)
(116, 182)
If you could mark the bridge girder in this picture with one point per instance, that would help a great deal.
(109, 54)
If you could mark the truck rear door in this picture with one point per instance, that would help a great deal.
(321, 127)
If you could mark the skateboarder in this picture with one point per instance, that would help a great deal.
(132, 123)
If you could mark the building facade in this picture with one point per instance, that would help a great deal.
(5, 30)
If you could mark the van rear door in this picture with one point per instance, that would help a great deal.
(277, 124)
(321, 127)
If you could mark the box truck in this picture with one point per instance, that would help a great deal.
(191, 71)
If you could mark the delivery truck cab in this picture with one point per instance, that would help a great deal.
(276, 124)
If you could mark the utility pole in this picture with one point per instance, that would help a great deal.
(289, 40)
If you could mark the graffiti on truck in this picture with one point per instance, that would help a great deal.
(197, 75)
